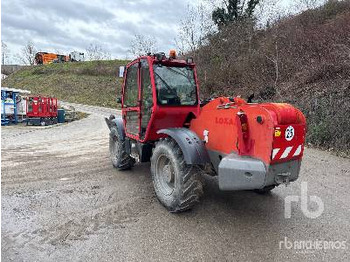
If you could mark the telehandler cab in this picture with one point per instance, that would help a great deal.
(248, 146)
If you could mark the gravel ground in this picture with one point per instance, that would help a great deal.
(63, 201)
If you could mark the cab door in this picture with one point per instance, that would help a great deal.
(131, 101)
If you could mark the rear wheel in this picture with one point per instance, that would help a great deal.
(120, 159)
(177, 185)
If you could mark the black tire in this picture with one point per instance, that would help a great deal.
(265, 190)
(120, 159)
(177, 185)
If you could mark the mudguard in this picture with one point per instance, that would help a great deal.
(192, 147)
(118, 122)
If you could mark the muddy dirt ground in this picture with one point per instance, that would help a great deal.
(63, 201)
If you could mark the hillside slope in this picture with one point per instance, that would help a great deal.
(302, 59)
(92, 83)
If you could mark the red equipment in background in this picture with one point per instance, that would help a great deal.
(41, 110)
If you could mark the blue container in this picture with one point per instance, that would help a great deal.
(60, 115)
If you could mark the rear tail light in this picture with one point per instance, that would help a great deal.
(244, 123)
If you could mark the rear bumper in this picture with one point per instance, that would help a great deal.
(245, 173)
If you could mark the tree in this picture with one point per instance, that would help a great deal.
(269, 12)
(4, 52)
(233, 10)
(58, 51)
(142, 45)
(27, 54)
(194, 28)
(97, 52)
(308, 4)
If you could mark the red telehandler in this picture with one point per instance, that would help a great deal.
(248, 146)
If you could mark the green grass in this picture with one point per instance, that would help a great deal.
(92, 82)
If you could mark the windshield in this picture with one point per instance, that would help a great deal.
(175, 85)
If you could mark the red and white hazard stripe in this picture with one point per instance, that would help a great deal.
(288, 152)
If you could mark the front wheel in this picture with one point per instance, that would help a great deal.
(120, 159)
(177, 185)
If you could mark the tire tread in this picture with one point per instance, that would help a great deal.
(191, 188)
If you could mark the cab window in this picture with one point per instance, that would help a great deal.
(131, 88)
(175, 85)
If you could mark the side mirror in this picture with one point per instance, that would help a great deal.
(121, 71)
(119, 100)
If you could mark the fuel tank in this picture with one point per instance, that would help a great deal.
(270, 132)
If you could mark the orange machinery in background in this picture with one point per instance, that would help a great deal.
(43, 58)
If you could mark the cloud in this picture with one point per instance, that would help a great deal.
(73, 25)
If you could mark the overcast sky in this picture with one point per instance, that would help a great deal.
(57, 25)
(73, 25)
